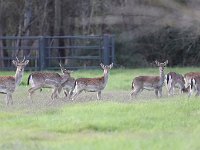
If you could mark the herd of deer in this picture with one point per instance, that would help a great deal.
(38, 80)
(73, 87)
(190, 82)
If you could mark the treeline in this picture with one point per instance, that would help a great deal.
(145, 30)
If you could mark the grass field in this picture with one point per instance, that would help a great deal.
(116, 122)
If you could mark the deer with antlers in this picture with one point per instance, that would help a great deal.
(173, 80)
(8, 84)
(149, 82)
(92, 84)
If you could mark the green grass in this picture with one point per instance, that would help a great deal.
(166, 123)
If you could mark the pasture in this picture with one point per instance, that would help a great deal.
(115, 122)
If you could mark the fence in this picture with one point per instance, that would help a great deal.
(45, 52)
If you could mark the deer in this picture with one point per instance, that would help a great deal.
(68, 82)
(8, 84)
(39, 80)
(155, 83)
(173, 80)
(188, 76)
(92, 84)
(194, 86)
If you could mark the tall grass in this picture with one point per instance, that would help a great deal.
(166, 123)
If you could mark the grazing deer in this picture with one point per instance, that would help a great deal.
(8, 84)
(92, 84)
(149, 82)
(188, 76)
(194, 86)
(68, 82)
(39, 80)
(173, 80)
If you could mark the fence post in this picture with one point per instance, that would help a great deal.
(42, 45)
(113, 49)
(106, 49)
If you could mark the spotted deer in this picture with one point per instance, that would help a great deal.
(8, 84)
(173, 80)
(39, 80)
(92, 84)
(149, 82)
(194, 86)
(188, 76)
(68, 82)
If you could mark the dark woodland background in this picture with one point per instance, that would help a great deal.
(144, 30)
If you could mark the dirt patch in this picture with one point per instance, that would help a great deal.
(41, 100)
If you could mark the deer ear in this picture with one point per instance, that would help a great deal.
(111, 65)
(157, 63)
(26, 62)
(102, 66)
(166, 62)
(14, 62)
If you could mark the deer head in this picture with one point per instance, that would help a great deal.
(63, 70)
(20, 64)
(161, 65)
(106, 68)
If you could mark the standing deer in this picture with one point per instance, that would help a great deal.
(173, 80)
(8, 84)
(68, 82)
(92, 84)
(194, 86)
(149, 82)
(39, 80)
(188, 76)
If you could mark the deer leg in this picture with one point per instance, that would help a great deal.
(171, 91)
(7, 100)
(32, 90)
(160, 92)
(75, 93)
(198, 92)
(156, 92)
(190, 94)
(135, 92)
(58, 92)
(10, 99)
(70, 93)
(99, 95)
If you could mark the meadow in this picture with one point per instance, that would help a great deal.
(115, 122)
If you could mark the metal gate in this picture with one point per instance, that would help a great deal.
(45, 52)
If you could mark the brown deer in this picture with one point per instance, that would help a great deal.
(92, 84)
(149, 82)
(188, 76)
(68, 82)
(173, 80)
(194, 86)
(39, 80)
(8, 84)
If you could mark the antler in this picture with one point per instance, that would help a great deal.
(102, 65)
(24, 59)
(17, 59)
(157, 63)
(60, 64)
